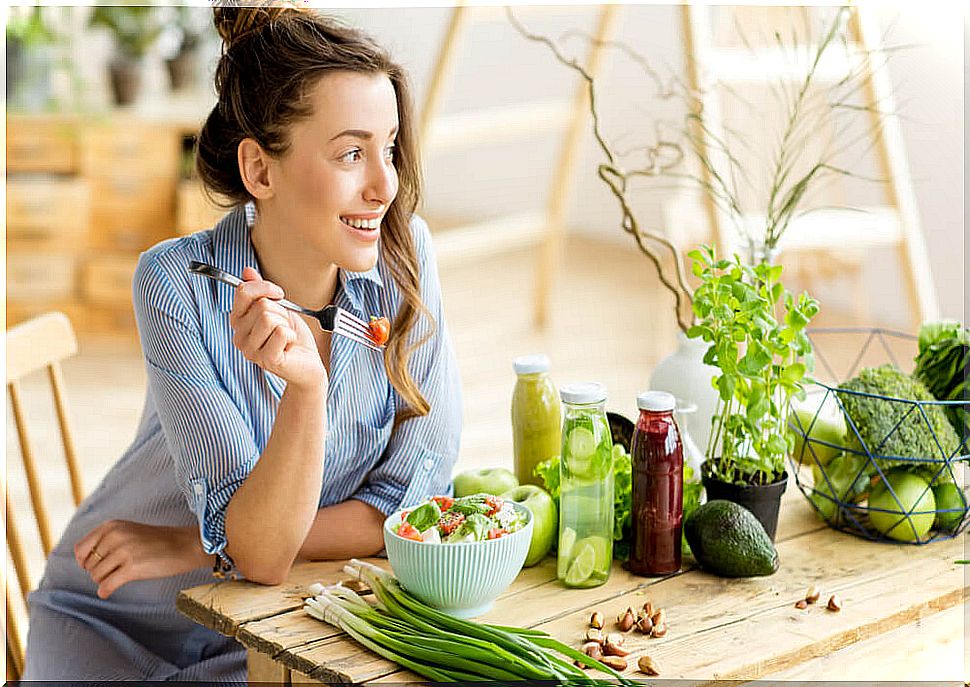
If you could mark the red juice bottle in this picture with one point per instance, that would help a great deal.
(658, 487)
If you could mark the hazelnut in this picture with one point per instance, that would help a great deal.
(835, 603)
(626, 621)
(801, 604)
(593, 650)
(594, 635)
(659, 630)
(615, 662)
(646, 665)
(645, 624)
(811, 596)
(596, 620)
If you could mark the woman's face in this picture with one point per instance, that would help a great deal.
(335, 183)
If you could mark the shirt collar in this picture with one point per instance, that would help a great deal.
(233, 250)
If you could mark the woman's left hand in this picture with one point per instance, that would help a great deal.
(117, 552)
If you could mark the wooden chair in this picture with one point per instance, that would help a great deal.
(38, 344)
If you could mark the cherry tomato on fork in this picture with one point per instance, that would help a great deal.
(380, 330)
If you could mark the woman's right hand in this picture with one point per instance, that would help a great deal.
(274, 338)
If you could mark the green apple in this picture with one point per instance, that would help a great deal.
(545, 519)
(484, 481)
(822, 423)
(914, 519)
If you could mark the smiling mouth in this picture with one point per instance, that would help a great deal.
(362, 224)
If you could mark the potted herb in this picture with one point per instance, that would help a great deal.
(135, 29)
(184, 64)
(755, 332)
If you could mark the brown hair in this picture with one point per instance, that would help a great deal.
(272, 56)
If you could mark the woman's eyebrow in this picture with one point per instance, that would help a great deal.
(361, 134)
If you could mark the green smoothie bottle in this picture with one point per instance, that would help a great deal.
(586, 488)
(535, 417)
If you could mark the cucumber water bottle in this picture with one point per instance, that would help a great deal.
(586, 488)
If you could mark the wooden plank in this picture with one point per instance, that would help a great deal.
(935, 650)
(713, 622)
(224, 606)
(786, 636)
(261, 669)
(294, 629)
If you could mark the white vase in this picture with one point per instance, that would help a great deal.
(684, 374)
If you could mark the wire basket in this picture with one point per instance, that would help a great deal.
(844, 477)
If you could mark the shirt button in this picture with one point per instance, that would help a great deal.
(198, 489)
(428, 463)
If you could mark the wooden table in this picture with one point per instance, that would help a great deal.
(717, 628)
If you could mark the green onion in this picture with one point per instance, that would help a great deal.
(441, 647)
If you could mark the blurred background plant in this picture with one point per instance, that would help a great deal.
(135, 29)
(28, 34)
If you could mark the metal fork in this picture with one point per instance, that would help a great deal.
(331, 318)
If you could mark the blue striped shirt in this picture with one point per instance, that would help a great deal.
(217, 409)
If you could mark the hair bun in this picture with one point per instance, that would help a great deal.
(234, 22)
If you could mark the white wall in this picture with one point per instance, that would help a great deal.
(496, 65)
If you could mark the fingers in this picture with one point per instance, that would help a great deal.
(108, 564)
(250, 292)
(262, 329)
(85, 548)
(118, 577)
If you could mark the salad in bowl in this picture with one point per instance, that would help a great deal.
(459, 555)
(446, 520)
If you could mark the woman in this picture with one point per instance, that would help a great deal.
(263, 439)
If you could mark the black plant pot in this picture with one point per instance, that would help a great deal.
(762, 500)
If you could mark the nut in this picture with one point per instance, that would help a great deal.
(647, 609)
(811, 596)
(659, 617)
(835, 603)
(645, 624)
(611, 649)
(615, 638)
(594, 635)
(646, 665)
(626, 621)
(593, 650)
(659, 630)
(801, 604)
(596, 620)
(615, 662)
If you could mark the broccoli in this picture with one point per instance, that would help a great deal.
(876, 419)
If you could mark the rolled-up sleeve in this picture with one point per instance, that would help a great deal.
(422, 451)
(210, 441)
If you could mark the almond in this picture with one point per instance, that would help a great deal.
(801, 604)
(835, 603)
(811, 596)
(617, 663)
(626, 621)
(645, 624)
(659, 630)
(593, 650)
(594, 635)
(647, 665)
(596, 620)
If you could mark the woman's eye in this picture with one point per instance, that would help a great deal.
(351, 155)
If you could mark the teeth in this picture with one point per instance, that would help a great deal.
(362, 223)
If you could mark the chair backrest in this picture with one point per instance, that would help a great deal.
(38, 344)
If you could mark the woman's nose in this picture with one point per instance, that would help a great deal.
(382, 182)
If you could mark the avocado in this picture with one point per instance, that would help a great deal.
(728, 540)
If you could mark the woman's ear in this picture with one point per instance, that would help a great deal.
(254, 168)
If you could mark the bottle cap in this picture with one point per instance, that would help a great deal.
(530, 364)
(656, 401)
(583, 392)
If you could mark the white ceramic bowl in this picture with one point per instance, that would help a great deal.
(461, 579)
